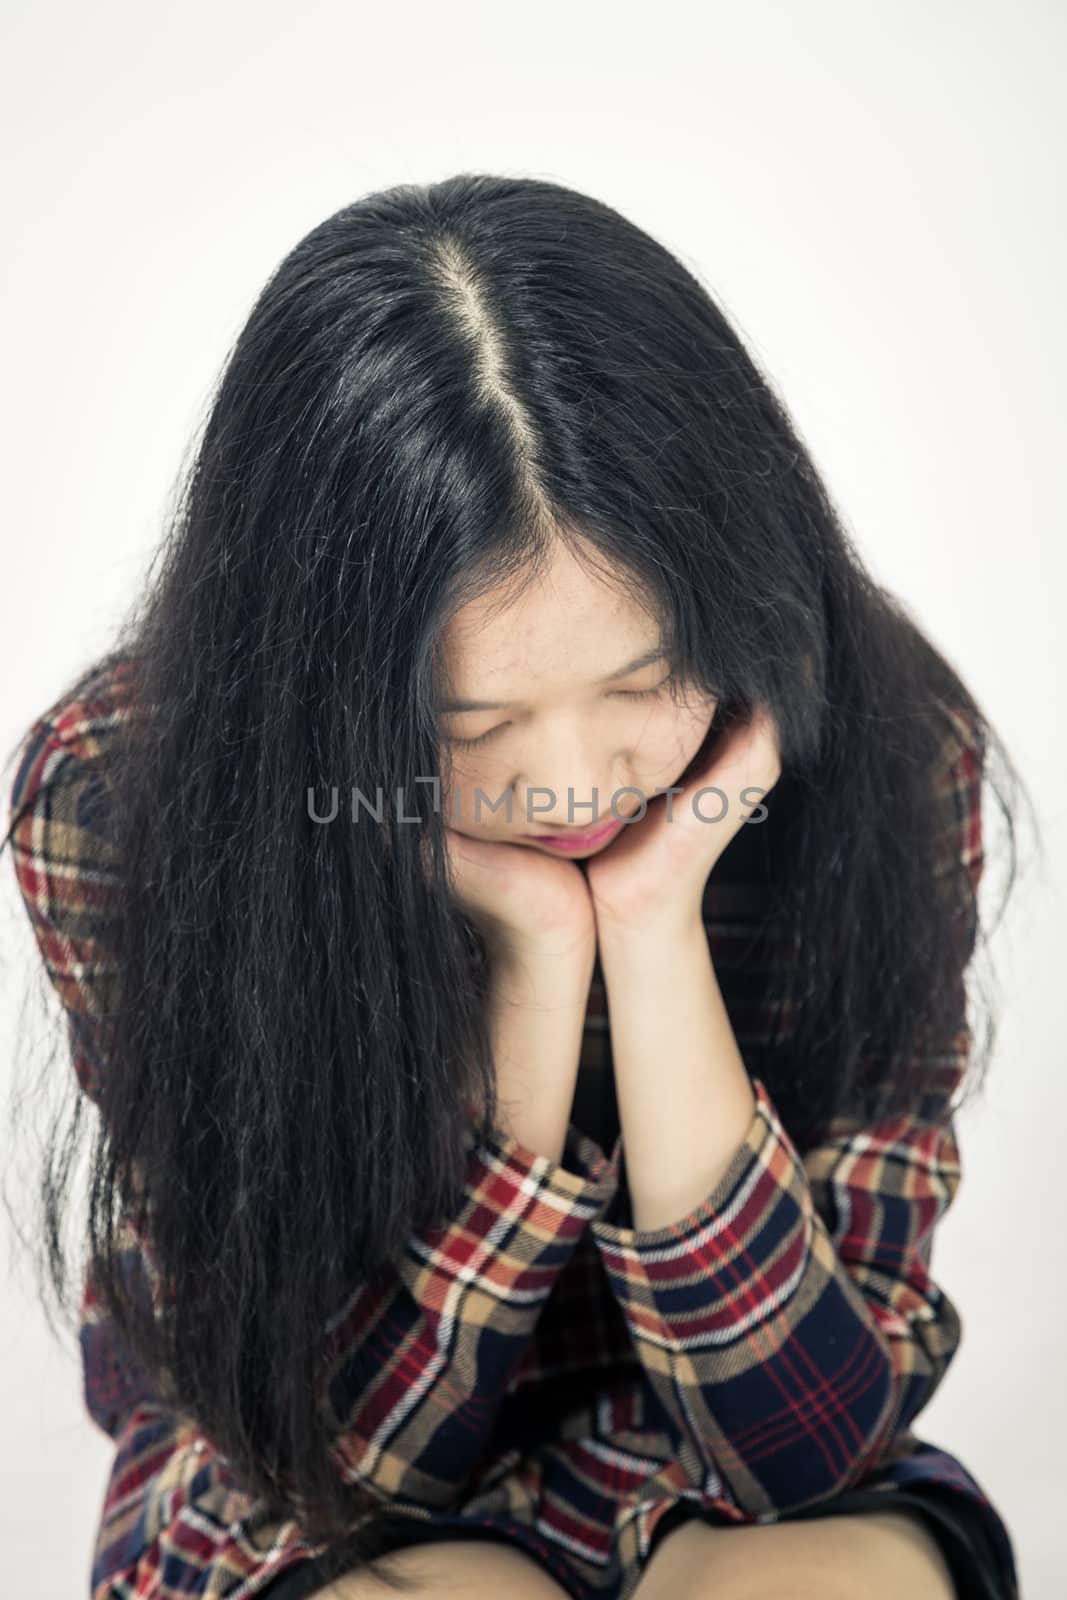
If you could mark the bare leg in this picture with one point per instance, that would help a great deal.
(476, 1569)
(870, 1555)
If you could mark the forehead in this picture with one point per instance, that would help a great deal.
(569, 619)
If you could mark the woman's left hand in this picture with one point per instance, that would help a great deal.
(655, 870)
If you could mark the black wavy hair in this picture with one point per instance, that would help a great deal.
(437, 383)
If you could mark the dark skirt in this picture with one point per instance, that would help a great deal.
(957, 1525)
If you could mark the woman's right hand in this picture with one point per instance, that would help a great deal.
(526, 903)
(537, 916)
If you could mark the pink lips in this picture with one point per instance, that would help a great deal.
(578, 841)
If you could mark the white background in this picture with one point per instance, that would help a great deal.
(872, 191)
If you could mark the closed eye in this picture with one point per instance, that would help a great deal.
(628, 694)
(468, 744)
(639, 694)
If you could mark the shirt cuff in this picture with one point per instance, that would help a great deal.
(626, 1246)
(521, 1214)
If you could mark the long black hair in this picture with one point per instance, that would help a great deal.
(436, 384)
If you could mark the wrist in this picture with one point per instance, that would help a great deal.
(659, 930)
(537, 1009)
(561, 965)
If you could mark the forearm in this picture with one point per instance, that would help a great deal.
(537, 1012)
(685, 1098)
(752, 1272)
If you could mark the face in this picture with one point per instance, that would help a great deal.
(538, 693)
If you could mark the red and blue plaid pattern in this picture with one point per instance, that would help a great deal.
(539, 1366)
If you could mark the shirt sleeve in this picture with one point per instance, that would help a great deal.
(66, 869)
(789, 1324)
(423, 1366)
(416, 1369)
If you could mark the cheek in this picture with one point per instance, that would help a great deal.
(695, 723)
(457, 795)
(676, 734)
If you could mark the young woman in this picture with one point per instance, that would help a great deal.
(508, 671)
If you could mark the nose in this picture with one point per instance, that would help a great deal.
(567, 805)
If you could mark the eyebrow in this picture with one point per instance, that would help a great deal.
(644, 660)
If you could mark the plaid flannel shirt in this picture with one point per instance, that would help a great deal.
(538, 1365)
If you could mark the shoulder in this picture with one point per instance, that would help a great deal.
(964, 737)
(62, 845)
(957, 791)
(63, 853)
(62, 755)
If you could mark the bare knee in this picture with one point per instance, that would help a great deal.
(476, 1569)
(875, 1555)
